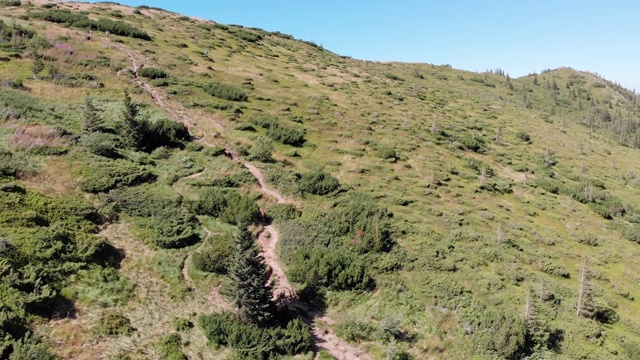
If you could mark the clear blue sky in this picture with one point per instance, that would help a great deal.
(518, 36)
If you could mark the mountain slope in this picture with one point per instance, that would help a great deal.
(442, 213)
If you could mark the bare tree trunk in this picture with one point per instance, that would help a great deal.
(584, 267)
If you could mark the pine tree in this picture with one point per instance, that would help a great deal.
(131, 130)
(250, 276)
(37, 66)
(92, 121)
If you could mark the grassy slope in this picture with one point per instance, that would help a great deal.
(350, 108)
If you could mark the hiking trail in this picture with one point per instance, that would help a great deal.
(283, 291)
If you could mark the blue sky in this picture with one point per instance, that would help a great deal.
(518, 36)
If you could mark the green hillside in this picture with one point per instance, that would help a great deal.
(405, 211)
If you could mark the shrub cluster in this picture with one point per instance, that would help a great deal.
(170, 348)
(253, 342)
(215, 258)
(225, 92)
(226, 204)
(587, 192)
(335, 269)
(264, 121)
(82, 21)
(102, 176)
(115, 324)
(286, 135)
(152, 73)
(43, 243)
(11, 165)
(162, 219)
(318, 182)
(247, 35)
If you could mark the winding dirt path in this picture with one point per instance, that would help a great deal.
(283, 291)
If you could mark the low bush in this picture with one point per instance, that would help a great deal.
(524, 136)
(281, 212)
(386, 152)
(261, 149)
(115, 324)
(82, 21)
(286, 135)
(161, 218)
(152, 73)
(264, 121)
(356, 330)
(102, 144)
(393, 77)
(102, 176)
(215, 258)
(366, 223)
(225, 92)
(170, 348)
(252, 342)
(477, 166)
(335, 269)
(247, 36)
(318, 183)
(12, 165)
(228, 205)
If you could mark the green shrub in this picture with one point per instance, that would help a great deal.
(101, 144)
(12, 165)
(162, 219)
(115, 324)
(261, 149)
(216, 258)
(225, 92)
(252, 342)
(83, 21)
(524, 136)
(281, 212)
(294, 339)
(366, 223)
(386, 152)
(30, 347)
(170, 348)
(393, 77)
(228, 205)
(477, 166)
(180, 324)
(554, 269)
(286, 135)
(549, 185)
(245, 127)
(333, 269)
(247, 36)
(356, 330)
(11, 3)
(264, 121)
(318, 183)
(102, 176)
(470, 142)
(152, 73)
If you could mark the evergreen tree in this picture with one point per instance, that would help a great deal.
(131, 130)
(250, 276)
(92, 121)
(37, 66)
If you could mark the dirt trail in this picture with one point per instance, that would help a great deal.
(324, 339)
(268, 240)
